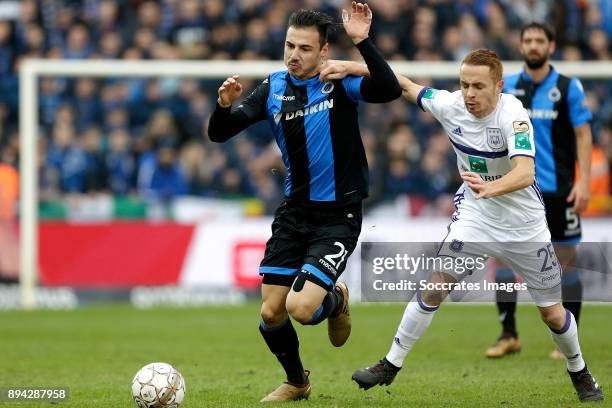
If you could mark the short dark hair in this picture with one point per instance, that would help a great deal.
(311, 18)
(535, 25)
(487, 58)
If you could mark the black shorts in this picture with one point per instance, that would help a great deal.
(317, 241)
(563, 222)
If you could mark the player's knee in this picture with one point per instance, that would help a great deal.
(300, 310)
(553, 317)
(272, 314)
(433, 297)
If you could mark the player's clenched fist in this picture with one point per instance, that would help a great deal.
(477, 184)
(229, 91)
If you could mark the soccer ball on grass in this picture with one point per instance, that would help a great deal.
(158, 385)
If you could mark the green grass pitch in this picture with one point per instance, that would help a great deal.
(96, 351)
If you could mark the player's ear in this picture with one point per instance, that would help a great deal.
(552, 47)
(324, 50)
(500, 85)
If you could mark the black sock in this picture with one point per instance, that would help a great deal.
(506, 304)
(284, 344)
(329, 307)
(572, 296)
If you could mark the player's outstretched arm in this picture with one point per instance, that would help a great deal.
(225, 122)
(337, 69)
(410, 90)
(381, 86)
(521, 176)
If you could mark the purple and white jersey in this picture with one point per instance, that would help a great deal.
(485, 146)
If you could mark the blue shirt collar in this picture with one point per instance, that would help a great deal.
(527, 77)
(304, 82)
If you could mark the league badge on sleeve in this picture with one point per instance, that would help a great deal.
(429, 93)
(521, 135)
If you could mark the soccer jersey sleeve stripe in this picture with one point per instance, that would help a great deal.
(522, 154)
(420, 96)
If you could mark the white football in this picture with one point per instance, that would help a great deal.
(158, 385)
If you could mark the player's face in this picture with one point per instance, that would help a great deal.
(303, 53)
(535, 48)
(479, 89)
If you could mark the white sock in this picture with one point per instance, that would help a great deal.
(566, 340)
(415, 321)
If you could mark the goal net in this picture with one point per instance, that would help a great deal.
(32, 70)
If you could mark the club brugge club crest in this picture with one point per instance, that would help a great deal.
(495, 139)
(554, 94)
(327, 88)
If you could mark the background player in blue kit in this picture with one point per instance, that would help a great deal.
(316, 228)
(561, 123)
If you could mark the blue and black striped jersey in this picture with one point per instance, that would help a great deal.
(556, 106)
(316, 127)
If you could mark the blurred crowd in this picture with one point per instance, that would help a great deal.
(147, 137)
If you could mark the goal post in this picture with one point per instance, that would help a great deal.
(31, 70)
